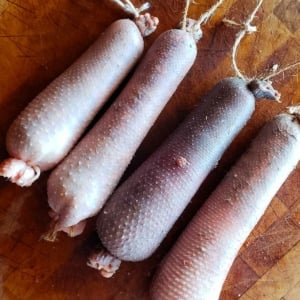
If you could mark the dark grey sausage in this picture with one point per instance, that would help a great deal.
(144, 208)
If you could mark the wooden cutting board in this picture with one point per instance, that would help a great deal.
(38, 40)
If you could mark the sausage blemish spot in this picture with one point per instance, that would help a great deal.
(181, 162)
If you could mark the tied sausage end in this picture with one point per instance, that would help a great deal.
(263, 89)
(103, 261)
(146, 23)
(192, 26)
(295, 111)
(17, 171)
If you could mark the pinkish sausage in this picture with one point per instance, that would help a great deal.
(50, 125)
(144, 208)
(198, 263)
(79, 186)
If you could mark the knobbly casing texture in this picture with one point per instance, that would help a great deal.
(78, 188)
(197, 265)
(144, 208)
(51, 124)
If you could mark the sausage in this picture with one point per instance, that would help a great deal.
(50, 125)
(79, 186)
(198, 263)
(144, 208)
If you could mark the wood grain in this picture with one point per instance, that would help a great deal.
(38, 40)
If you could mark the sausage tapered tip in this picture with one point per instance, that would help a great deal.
(56, 225)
